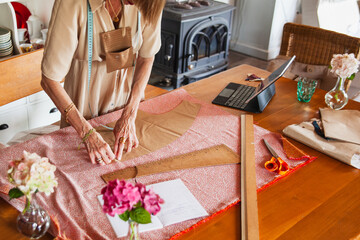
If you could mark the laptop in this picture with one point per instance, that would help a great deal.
(249, 98)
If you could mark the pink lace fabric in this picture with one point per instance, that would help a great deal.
(74, 201)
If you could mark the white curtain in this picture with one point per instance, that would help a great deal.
(237, 21)
(339, 15)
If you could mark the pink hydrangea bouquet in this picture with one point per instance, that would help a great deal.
(344, 65)
(31, 174)
(130, 202)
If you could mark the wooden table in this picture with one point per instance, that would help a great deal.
(319, 201)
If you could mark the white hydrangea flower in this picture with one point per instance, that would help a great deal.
(344, 65)
(33, 173)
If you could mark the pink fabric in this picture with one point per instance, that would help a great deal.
(74, 202)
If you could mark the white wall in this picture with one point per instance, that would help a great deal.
(261, 24)
(255, 25)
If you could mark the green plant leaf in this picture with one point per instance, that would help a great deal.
(138, 204)
(351, 77)
(15, 193)
(125, 216)
(140, 215)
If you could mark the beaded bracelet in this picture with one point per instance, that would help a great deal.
(87, 135)
(67, 110)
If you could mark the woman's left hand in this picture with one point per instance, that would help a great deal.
(125, 133)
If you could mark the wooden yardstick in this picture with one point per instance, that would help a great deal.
(217, 155)
(249, 208)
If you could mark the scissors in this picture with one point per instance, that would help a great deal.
(275, 164)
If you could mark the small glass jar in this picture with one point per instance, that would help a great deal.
(305, 89)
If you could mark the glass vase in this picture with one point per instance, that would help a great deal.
(133, 233)
(33, 221)
(337, 97)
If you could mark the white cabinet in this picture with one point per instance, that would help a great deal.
(34, 111)
(11, 122)
(39, 96)
(42, 113)
(13, 104)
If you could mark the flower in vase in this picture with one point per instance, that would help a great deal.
(344, 65)
(130, 201)
(31, 174)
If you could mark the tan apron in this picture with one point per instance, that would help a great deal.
(118, 47)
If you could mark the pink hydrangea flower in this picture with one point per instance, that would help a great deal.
(121, 196)
(152, 202)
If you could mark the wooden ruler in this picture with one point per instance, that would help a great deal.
(249, 208)
(213, 156)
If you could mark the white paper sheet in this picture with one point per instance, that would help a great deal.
(180, 205)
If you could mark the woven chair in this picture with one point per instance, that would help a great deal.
(313, 45)
(316, 46)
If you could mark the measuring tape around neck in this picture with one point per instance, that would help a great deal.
(90, 49)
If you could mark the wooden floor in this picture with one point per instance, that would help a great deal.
(235, 59)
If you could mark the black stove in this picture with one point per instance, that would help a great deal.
(195, 42)
(172, 10)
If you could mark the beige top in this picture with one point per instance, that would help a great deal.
(65, 54)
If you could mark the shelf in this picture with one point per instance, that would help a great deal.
(8, 20)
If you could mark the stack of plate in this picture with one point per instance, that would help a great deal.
(6, 47)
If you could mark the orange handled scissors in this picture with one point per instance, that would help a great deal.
(275, 164)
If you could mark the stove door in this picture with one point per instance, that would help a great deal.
(206, 45)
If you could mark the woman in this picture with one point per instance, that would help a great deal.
(66, 56)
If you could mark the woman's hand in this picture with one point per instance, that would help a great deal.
(125, 133)
(99, 151)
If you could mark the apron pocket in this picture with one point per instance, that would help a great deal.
(119, 60)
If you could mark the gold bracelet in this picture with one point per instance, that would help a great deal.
(87, 135)
(67, 110)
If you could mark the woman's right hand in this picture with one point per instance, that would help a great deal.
(99, 151)
(95, 144)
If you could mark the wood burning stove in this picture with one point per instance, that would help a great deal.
(195, 40)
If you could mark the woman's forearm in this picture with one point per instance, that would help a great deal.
(62, 100)
(141, 77)
(125, 129)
